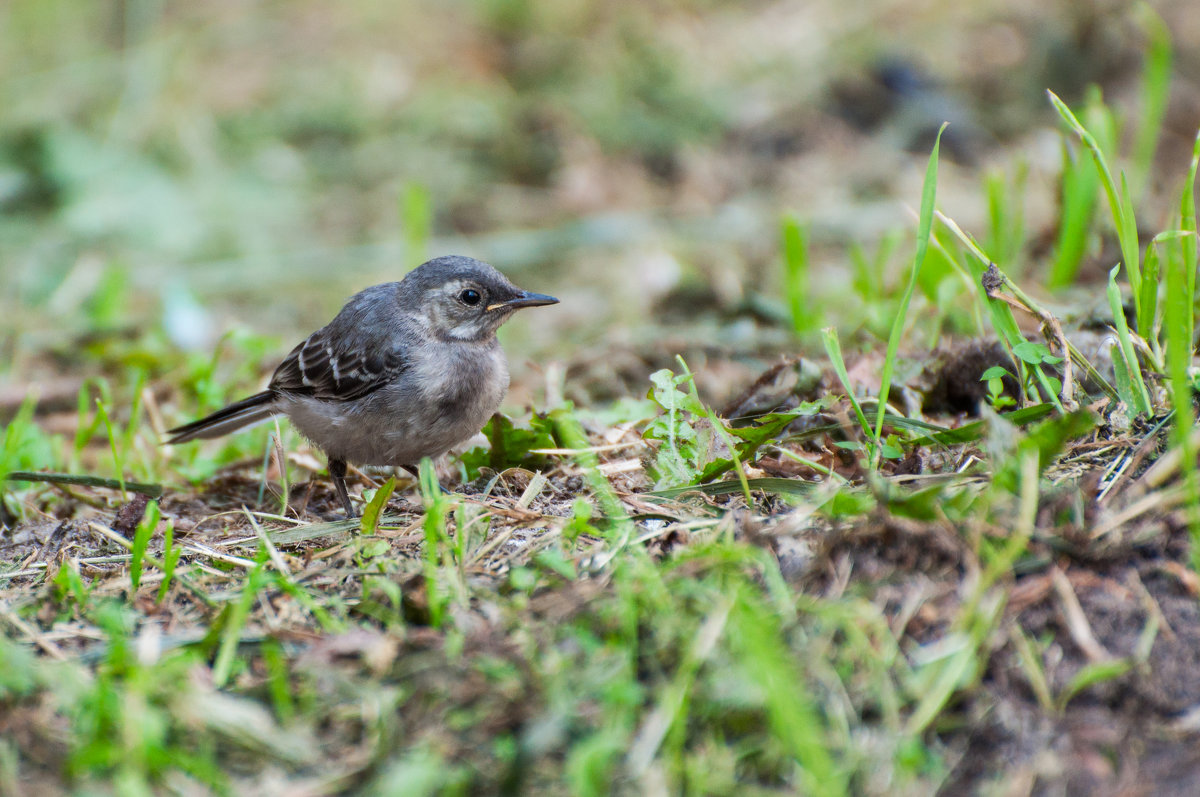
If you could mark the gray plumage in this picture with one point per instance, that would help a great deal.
(406, 370)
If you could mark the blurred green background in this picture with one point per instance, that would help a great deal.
(184, 169)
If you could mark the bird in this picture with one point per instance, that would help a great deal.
(405, 370)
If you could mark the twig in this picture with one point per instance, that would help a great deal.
(1077, 623)
(34, 635)
(151, 490)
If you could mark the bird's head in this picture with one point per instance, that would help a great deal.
(460, 298)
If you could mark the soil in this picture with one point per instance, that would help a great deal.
(1079, 602)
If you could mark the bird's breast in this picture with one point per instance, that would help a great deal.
(462, 383)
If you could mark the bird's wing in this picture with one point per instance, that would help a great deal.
(321, 368)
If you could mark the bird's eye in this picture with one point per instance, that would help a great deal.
(470, 296)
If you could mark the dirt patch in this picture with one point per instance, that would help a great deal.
(953, 378)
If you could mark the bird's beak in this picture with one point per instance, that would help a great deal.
(524, 299)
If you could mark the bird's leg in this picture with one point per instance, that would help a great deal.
(416, 474)
(337, 471)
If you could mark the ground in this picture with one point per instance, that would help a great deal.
(685, 559)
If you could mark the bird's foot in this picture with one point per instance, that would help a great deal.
(337, 471)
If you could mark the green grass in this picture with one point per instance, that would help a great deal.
(796, 277)
(1179, 331)
(837, 594)
(924, 225)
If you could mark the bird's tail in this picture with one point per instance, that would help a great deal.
(236, 416)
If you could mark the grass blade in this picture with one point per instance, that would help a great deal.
(924, 226)
(1188, 243)
(374, 509)
(1118, 200)
(170, 558)
(834, 349)
(1079, 192)
(416, 220)
(1178, 329)
(756, 638)
(1148, 299)
(141, 540)
(1138, 398)
(1006, 217)
(1156, 87)
(435, 536)
(235, 621)
(795, 275)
